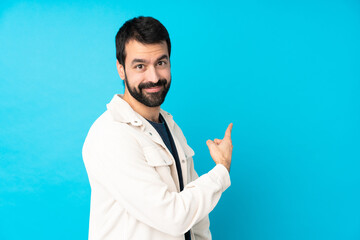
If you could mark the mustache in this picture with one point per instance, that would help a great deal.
(161, 82)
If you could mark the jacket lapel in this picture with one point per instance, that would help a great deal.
(179, 148)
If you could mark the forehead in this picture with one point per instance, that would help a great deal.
(135, 49)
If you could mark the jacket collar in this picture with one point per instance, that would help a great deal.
(123, 112)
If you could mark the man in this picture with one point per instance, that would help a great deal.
(140, 167)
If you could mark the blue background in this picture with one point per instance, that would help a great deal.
(286, 73)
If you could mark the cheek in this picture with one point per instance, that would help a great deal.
(134, 78)
(166, 74)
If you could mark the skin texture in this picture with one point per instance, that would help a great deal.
(145, 65)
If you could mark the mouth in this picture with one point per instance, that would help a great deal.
(153, 89)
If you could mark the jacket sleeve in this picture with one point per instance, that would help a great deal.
(115, 159)
(201, 229)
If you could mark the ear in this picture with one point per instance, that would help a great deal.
(121, 70)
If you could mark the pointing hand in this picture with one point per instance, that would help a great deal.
(221, 149)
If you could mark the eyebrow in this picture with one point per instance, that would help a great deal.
(139, 60)
(163, 57)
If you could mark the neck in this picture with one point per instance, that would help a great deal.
(150, 113)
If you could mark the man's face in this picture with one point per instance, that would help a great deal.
(147, 72)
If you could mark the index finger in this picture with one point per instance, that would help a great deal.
(228, 131)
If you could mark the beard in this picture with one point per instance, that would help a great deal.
(149, 99)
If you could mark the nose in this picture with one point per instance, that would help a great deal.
(152, 75)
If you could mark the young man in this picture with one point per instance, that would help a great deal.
(140, 167)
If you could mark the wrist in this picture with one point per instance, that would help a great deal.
(227, 166)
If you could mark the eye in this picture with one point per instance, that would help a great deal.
(162, 63)
(139, 66)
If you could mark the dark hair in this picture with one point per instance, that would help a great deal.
(146, 30)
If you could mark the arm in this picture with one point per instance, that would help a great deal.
(219, 150)
(119, 164)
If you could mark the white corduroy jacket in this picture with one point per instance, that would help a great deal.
(134, 184)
